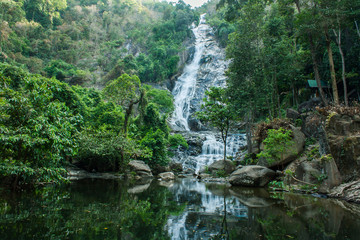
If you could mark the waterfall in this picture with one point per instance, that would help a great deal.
(185, 86)
(206, 69)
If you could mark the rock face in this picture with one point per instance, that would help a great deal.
(140, 168)
(226, 165)
(167, 176)
(322, 172)
(251, 176)
(291, 153)
(343, 135)
(348, 191)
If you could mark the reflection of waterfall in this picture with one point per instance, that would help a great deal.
(206, 69)
(203, 212)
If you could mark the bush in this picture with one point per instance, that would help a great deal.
(103, 151)
(157, 143)
(275, 144)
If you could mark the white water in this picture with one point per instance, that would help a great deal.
(202, 206)
(184, 89)
(205, 70)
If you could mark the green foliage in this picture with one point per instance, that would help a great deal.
(123, 90)
(104, 150)
(163, 99)
(275, 144)
(275, 185)
(313, 154)
(176, 140)
(60, 69)
(37, 130)
(221, 173)
(156, 143)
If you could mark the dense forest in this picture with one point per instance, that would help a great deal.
(53, 50)
(77, 77)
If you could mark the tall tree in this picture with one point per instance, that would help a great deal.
(218, 112)
(127, 92)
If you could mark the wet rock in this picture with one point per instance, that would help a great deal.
(220, 165)
(348, 191)
(291, 153)
(167, 176)
(140, 168)
(203, 176)
(251, 176)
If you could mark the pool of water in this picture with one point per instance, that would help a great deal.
(184, 209)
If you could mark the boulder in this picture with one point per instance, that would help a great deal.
(157, 169)
(343, 138)
(140, 168)
(176, 167)
(167, 176)
(251, 176)
(226, 165)
(322, 172)
(291, 153)
(348, 191)
(292, 114)
(312, 124)
(310, 105)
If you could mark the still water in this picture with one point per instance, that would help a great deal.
(185, 209)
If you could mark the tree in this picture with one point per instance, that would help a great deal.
(218, 112)
(126, 91)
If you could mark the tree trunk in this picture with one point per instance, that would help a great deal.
(297, 3)
(127, 117)
(316, 70)
(357, 28)
(332, 68)
(343, 76)
(314, 59)
(225, 141)
(277, 95)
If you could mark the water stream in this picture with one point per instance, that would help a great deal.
(206, 69)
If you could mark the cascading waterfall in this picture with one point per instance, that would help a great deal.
(206, 69)
(184, 89)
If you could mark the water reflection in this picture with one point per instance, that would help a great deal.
(184, 209)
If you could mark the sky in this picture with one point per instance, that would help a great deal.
(193, 3)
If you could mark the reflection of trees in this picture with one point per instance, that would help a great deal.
(108, 211)
(224, 232)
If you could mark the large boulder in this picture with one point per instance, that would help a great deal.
(251, 176)
(343, 138)
(226, 165)
(319, 171)
(140, 168)
(291, 153)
